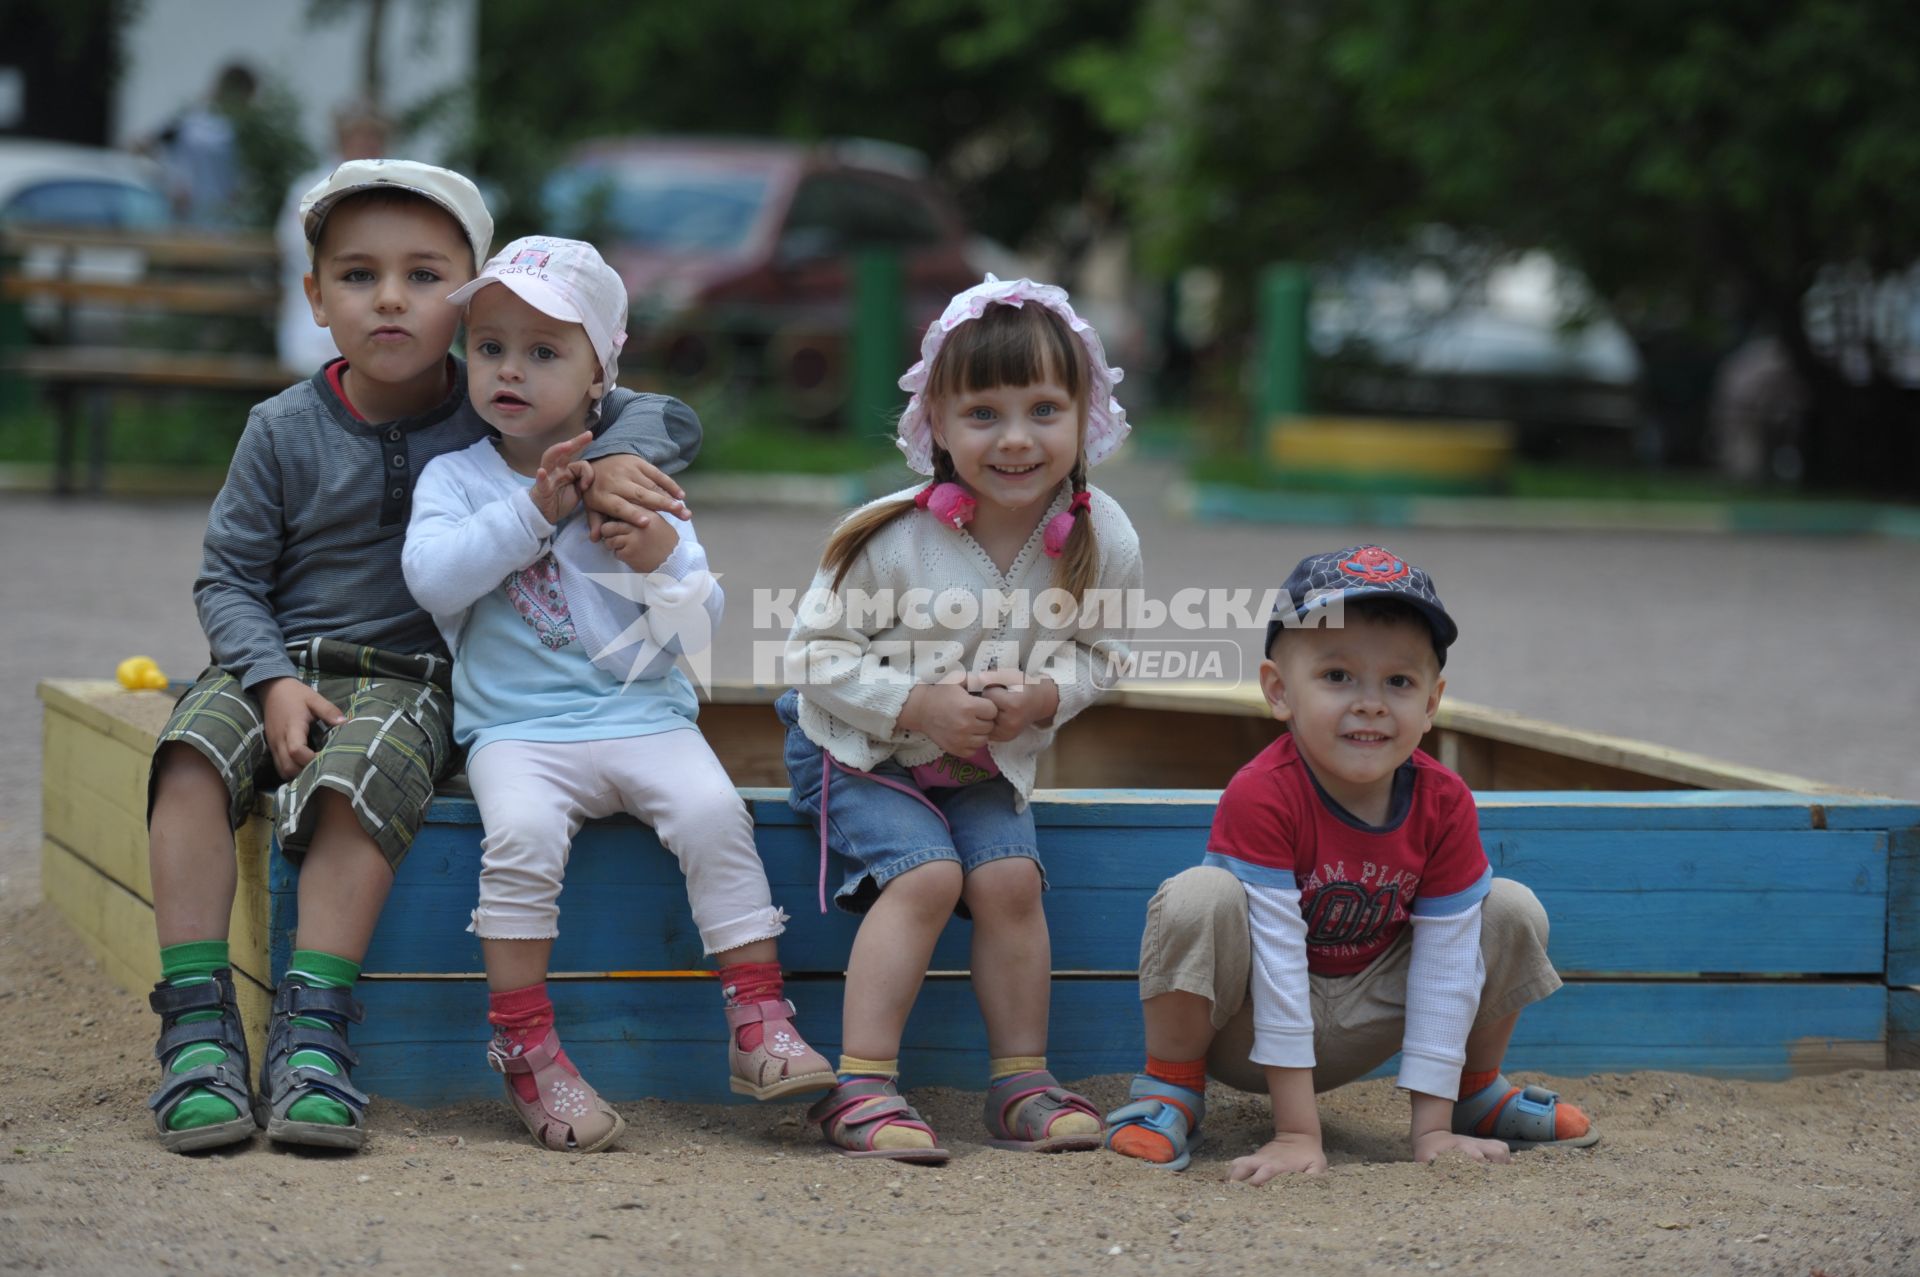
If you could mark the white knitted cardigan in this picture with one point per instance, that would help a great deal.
(857, 676)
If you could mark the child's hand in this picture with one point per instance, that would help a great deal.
(1281, 1155)
(1434, 1145)
(562, 478)
(626, 487)
(1021, 701)
(290, 708)
(948, 714)
(643, 544)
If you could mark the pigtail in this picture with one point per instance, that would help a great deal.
(860, 527)
(1077, 570)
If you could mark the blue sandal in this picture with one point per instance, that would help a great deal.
(230, 1079)
(1165, 1109)
(286, 1084)
(1523, 1117)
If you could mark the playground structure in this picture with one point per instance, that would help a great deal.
(1707, 918)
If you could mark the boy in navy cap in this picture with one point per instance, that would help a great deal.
(1285, 963)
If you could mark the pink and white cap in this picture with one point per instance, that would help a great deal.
(568, 280)
(1106, 420)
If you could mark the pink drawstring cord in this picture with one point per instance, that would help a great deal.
(827, 763)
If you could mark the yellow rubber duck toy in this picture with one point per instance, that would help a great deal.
(140, 674)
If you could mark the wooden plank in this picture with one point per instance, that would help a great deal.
(176, 247)
(93, 800)
(424, 1041)
(1903, 907)
(134, 367)
(185, 297)
(1762, 901)
(1628, 900)
(115, 924)
(105, 707)
(1903, 1028)
(1672, 765)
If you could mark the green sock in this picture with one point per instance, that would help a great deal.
(194, 963)
(319, 970)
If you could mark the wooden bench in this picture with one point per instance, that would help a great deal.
(127, 282)
(1742, 932)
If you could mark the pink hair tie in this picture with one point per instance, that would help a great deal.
(1060, 526)
(950, 503)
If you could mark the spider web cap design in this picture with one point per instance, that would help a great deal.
(1362, 572)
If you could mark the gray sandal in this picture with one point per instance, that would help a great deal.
(1522, 1116)
(286, 1084)
(230, 1079)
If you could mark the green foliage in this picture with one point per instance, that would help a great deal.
(987, 88)
(270, 150)
(1672, 149)
(1708, 167)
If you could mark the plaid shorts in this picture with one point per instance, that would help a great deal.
(396, 744)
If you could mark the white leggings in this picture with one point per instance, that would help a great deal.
(534, 795)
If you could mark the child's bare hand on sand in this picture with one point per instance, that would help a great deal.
(1434, 1145)
(1281, 1155)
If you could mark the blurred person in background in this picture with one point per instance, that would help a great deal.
(199, 150)
(360, 132)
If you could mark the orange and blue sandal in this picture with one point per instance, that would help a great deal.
(1037, 1102)
(853, 1114)
(1522, 1117)
(1159, 1113)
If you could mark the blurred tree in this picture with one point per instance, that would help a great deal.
(1705, 165)
(983, 87)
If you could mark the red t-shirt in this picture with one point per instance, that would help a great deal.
(1358, 883)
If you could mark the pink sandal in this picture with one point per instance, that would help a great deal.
(567, 1115)
(854, 1112)
(1045, 1100)
(783, 1064)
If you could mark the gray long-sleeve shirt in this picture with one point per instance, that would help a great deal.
(304, 539)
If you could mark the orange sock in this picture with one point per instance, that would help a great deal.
(1569, 1123)
(1152, 1146)
(1474, 1083)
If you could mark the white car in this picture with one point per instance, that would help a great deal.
(55, 185)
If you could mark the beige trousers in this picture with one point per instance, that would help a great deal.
(1197, 941)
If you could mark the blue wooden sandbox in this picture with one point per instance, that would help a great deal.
(1751, 932)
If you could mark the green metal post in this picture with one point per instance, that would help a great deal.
(1282, 351)
(878, 318)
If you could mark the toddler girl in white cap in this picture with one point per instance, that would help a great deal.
(566, 691)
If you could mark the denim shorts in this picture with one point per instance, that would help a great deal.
(885, 832)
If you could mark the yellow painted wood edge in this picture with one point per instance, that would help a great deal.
(79, 698)
(115, 925)
(114, 921)
(1678, 765)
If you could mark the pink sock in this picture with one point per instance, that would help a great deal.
(524, 1017)
(744, 983)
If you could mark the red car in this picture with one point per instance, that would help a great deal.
(738, 254)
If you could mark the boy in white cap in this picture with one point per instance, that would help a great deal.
(326, 674)
(565, 689)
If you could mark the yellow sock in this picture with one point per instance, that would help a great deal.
(852, 1066)
(1063, 1123)
(892, 1135)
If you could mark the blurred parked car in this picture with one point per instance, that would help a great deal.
(1521, 340)
(738, 254)
(58, 186)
